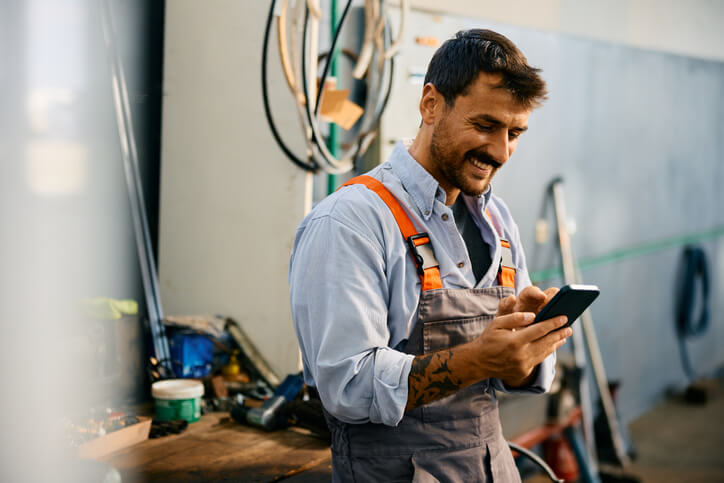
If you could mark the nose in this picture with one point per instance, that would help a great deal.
(499, 146)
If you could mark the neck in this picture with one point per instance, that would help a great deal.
(420, 152)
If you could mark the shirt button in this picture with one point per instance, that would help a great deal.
(444, 217)
(427, 212)
(461, 264)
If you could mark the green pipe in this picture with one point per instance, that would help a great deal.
(620, 254)
(333, 142)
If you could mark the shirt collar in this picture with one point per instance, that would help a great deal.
(481, 202)
(422, 187)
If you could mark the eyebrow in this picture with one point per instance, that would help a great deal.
(496, 122)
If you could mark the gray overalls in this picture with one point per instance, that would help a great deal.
(458, 438)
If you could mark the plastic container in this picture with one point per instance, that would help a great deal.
(191, 353)
(178, 399)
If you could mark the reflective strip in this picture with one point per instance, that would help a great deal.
(430, 277)
(506, 269)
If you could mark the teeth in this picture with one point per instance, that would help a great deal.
(478, 164)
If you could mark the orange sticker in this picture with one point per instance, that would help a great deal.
(338, 109)
(427, 41)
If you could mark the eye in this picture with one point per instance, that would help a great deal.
(513, 134)
(484, 127)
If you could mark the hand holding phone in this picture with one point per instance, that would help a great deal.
(571, 301)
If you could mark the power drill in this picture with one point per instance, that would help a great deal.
(271, 414)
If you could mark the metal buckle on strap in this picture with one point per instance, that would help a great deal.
(422, 253)
(506, 260)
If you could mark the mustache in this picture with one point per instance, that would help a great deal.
(484, 158)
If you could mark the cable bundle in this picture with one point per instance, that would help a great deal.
(375, 63)
(695, 268)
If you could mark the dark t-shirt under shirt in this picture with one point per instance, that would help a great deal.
(478, 250)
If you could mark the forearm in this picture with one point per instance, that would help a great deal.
(439, 374)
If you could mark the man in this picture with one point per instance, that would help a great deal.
(403, 285)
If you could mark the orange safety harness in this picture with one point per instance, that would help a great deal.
(420, 246)
(506, 269)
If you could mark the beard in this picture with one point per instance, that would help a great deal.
(453, 165)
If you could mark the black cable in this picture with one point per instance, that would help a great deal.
(537, 460)
(352, 57)
(362, 136)
(307, 165)
(366, 137)
(317, 138)
(332, 48)
(389, 91)
(345, 53)
(695, 268)
(311, 117)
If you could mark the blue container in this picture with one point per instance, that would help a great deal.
(191, 354)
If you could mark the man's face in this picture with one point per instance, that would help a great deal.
(474, 138)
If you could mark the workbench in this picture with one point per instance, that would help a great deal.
(216, 448)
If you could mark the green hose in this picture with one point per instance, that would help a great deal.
(332, 142)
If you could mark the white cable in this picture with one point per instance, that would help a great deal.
(380, 38)
(313, 6)
(314, 9)
(301, 75)
(397, 43)
(284, 44)
(365, 55)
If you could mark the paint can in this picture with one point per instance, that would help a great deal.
(177, 399)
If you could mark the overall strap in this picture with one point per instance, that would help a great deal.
(506, 269)
(419, 243)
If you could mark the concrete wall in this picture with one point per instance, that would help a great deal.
(230, 200)
(637, 134)
(691, 28)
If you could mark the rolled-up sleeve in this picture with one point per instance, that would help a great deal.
(339, 296)
(542, 382)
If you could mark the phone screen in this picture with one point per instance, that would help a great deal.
(571, 301)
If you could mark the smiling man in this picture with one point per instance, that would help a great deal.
(409, 288)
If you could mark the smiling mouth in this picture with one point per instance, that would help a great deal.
(488, 168)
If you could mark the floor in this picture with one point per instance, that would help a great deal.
(678, 442)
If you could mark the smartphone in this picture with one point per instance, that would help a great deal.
(571, 301)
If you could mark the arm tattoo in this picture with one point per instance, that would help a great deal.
(431, 379)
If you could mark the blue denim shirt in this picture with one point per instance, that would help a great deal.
(355, 289)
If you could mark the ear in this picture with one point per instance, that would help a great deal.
(431, 104)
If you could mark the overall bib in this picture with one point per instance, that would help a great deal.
(457, 438)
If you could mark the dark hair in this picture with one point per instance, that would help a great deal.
(459, 61)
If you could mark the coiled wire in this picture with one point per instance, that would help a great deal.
(319, 156)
